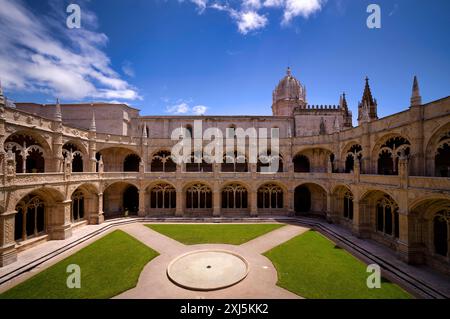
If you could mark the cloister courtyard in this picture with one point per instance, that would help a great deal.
(288, 258)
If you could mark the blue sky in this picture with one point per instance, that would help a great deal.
(223, 58)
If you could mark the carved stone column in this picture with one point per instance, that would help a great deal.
(360, 223)
(58, 158)
(142, 212)
(8, 253)
(216, 200)
(180, 203)
(59, 227)
(97, 216)
(253, 203)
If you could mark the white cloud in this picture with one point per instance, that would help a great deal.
(199, 109)
(252, 4)
(183, 108)
(250, 21)
(41, 54)
(127, 69)
(304, 8)
(250, 15)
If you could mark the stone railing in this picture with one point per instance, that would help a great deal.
(414, 182)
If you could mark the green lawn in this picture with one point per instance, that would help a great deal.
(109, 266)
(233, 234)
(312, 266)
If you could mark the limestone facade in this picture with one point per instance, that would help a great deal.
(64, 166)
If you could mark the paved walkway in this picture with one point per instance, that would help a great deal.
(422, 279)
(260, 282)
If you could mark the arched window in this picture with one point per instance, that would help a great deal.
(387, 216)
(77, 206)
(163, 196)
(390, 153)
(268, 160)
(354, 152)
(198, 164)
(198, 196)
(301, 164)
(348, 205)
(234, 196)
(234, 163)
(131, 163)
(30, 218)
(270, 196)
(441, 225)
(76, 155)
(442, 158)
(29, 153)
(162, 162)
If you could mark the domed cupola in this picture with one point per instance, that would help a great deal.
(288, 94)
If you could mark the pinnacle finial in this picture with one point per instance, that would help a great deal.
(289, 71)
(144, 131)
(93, 126)
(367, 95)
(58, 113)
(416, 99)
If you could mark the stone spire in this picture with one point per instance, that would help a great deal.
(367, 95)
(58, 114)
(343, 103)
(367, 108)
(346, 113)
(289, 71)
(416, 99)
(93, 127)
(144, 131)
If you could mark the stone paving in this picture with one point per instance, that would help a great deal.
(260, 282)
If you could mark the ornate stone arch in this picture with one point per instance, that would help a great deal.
(439, 140)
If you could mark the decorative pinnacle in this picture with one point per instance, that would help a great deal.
(144, 131)
(416, 99)
(58, 114)
(93, 127)
(289, 72)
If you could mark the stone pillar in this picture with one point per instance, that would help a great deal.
(410, 248)
(356, 170)
(180, 203)
(289, 204)
(97, 216)
(58, 158)
(253, 203)
(366, 160)
(361, 212)
(92, 153)
(329, 211)
(216, 200)
(142, 212)
(59, 227)
(403, 172)
(8, 253)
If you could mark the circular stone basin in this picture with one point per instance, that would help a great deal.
(208, 269)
